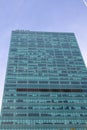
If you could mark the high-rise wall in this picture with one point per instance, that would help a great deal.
(46, 83)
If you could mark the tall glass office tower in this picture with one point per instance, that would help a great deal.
(46, 83)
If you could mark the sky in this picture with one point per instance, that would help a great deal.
(40, 15)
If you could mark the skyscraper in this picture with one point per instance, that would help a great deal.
(46, 83)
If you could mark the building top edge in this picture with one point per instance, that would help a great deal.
(18, 31)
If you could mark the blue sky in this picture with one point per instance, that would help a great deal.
(40, 15)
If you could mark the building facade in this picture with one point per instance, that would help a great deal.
(46, 83)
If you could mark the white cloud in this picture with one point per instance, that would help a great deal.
(85, 2)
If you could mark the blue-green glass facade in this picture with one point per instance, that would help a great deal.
(46, 83)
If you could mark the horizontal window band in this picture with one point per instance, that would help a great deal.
(47, 90)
